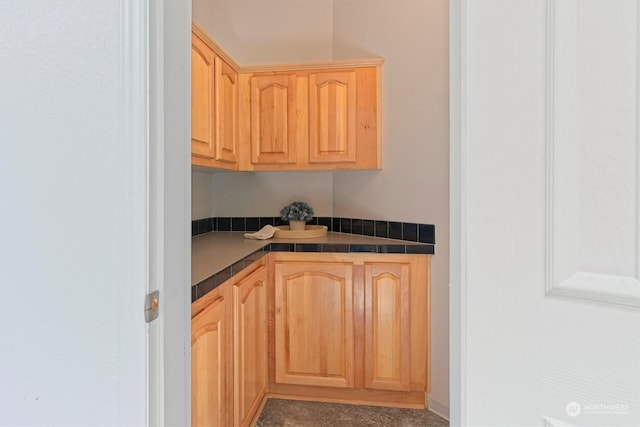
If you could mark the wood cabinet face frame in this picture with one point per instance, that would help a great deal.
(382, 364)
(331, 119)
(307, 116)
(384, 287)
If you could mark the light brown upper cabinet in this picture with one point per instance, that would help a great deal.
(311, 116)
(214, 106)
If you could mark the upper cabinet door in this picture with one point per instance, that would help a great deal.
(202, 99)
(332, 117)
(273, 119)
(226, 112)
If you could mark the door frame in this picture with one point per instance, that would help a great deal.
(156, 108)
(458, 212)
(168, 112)
(170, 209)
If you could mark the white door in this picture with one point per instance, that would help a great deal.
(545, 263)
(94, 210)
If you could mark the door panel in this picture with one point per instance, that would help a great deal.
(202, 99)
(332, 117)
(387, 326)
(593, 162)
(250, 345)
(545, 188)
(209, 366)
(273, 119)
(314, 323)
(226, 112)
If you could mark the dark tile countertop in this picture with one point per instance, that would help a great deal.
(218, 255)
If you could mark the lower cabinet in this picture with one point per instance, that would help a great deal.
(210, 361)
(350, 321)
(249, 345)
(387, 337)
(320, 326)
(314, 323)
(229, 351)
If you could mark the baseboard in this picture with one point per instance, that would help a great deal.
(439, 408)
(256, 415)
(398, 399)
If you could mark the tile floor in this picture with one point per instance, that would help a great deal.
(294, 413)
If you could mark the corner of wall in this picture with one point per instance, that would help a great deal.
(202, 190)
(438, 408)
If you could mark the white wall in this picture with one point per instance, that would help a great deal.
(269, 31)
(72, 251)
(201, 195)
(265, 193)
(413, 185)
(258, 193)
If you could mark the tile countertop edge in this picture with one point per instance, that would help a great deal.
(217, 256)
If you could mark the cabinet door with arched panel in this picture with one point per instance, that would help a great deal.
(211, 360)
(314, 323)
